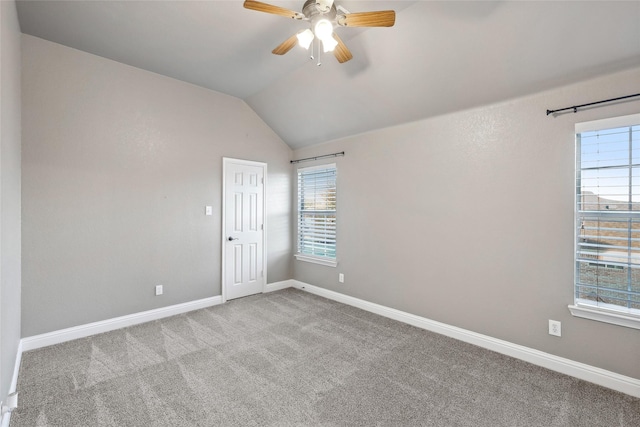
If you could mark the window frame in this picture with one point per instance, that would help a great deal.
(598, 312)
(322, 260)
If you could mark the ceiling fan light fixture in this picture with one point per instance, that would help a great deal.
(324, 6)
(329, 44)
(305, 38)
(322, 16)
(323, 29)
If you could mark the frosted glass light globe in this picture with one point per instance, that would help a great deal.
(323, 29)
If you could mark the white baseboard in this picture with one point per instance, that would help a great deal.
(579, 370)
(570, 367)
(276, 286)
(63, 335)
(6, 419)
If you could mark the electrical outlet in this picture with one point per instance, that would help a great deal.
(341, 278)
(158, 290)
(555, 328)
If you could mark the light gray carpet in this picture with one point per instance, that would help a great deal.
(290, 358)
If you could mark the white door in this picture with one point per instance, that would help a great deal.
(243, 228)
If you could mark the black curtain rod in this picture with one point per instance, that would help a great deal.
(308, 159)
(575, 107)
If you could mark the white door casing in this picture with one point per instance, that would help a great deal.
(243, 228)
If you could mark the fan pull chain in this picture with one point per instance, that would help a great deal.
(312, 48)
(319, 54)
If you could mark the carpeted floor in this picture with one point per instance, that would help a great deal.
(290, 358)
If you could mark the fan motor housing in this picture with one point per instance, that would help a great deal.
(310, 10)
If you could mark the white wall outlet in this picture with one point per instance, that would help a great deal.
(341, 278)
(555, 328)
(159, 290)
(208, 210)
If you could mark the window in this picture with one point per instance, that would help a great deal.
(607, 233)
(317, 215)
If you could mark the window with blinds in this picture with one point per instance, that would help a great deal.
(608, 218)
(317, 214)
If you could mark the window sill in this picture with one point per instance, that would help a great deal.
(600, 315)
(315, 260)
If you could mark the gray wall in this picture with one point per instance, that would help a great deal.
(9, 193)
(118, 165)
(467, 219)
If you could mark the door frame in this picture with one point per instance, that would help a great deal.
(225, 162)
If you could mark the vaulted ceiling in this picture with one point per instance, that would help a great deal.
(440, 57)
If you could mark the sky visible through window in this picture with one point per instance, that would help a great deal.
(608, 163)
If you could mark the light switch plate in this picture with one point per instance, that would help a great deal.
(208, 210)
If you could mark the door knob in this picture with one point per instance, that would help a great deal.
(231, 239)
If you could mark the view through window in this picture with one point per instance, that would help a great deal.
(317, 213)
(608, 218)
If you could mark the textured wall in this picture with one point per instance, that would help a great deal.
(10, 271)
(467, 219)
(118, 165)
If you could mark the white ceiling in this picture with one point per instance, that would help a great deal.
(441, 56)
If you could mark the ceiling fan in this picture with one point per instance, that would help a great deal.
(324, 16)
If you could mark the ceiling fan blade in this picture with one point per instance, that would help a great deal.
(382, 18)
(286, 46)
(341, 52)
(269, 8)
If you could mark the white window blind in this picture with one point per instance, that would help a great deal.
(317, 212)
(608, 219)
